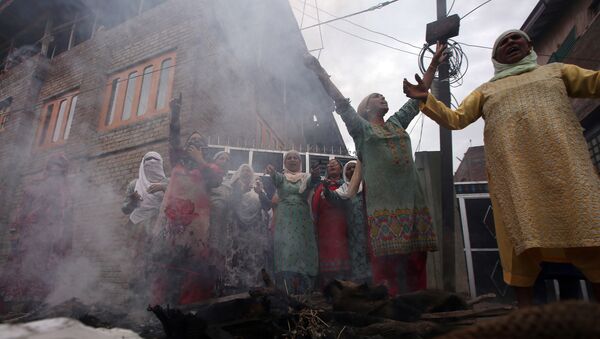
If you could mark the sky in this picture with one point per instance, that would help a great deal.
(359, 67)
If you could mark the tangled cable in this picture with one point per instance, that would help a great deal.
(458, 61)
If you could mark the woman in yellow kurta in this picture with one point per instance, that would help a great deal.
(543, 185)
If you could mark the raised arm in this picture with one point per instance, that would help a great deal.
(406, 114)
(175, 131)
(313, 64)
(352, 120)
(581, 82)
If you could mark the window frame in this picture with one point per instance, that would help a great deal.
(53, 116)
(123, 77)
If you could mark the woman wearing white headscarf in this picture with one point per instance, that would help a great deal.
(294, 243)
(143, 199)
(144, 195)
(248, 249)
(543, 186)
(351, 196)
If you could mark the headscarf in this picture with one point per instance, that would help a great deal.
(527, 64)
(218, 154)
(237, 175)
(150, 172)
(296, 176)
(362, 108)
(59, 160)
(343, 190)
(249, 209)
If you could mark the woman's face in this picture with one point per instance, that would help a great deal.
(512, 48)
(153, 169)
(292, 162)
(196, 141)
(378, 104)
(246, 175)
(334, 169)
(350, 170)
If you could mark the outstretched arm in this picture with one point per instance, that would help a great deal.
(352, 120)
(409, 111)
(313, 64)
(421, 89)
(175, 131)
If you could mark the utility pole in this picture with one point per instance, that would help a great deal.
(441, 90)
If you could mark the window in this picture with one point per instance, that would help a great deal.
(138, 92)
(56, 119)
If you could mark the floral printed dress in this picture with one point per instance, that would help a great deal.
(397, 215)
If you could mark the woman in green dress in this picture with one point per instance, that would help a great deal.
(295, 245)
(400, 229)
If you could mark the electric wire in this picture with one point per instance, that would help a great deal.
(474, 9)
(378, 6)
(416, 122)
(320, 31)
(362, 38)
(303, 11)
(451, 6)
(367, 28)
(420, 135)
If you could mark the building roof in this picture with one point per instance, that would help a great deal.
(472, 166)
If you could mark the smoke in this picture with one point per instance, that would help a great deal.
(255, 68)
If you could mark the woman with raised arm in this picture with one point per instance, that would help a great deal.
(350, 196)
(400, 227)
(294, 243)
(183, 253)
(543, 186)
(332, 228)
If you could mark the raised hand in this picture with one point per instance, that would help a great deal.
(270, 170)
(313, 64)
(196, 154)
(418, 91)
(315, 170)
(175, 104)
(439, 56)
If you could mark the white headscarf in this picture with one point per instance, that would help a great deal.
(296, 176)
(528, 63)
(343, 191)
(150, 172)
(249, 209)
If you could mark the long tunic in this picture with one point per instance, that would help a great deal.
(544, 189)
(357, 234)
(398, 218)
(295, 246)
(332, 232)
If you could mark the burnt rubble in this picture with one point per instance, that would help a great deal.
(344, 310)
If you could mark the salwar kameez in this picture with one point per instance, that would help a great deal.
(332, 234)
(544, 189)
(295, 245)
(398, 219)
